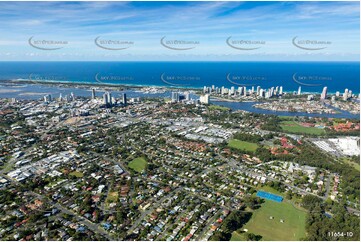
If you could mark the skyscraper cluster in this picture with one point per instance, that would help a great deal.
(242, 91)
(107, 99)
(47, 98)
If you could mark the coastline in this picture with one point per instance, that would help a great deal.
(95, 84)
(129, 86)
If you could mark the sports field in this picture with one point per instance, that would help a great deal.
(293, 127)
(242, 145)
(292, 228)
(138, 164)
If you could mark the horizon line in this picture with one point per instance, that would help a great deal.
(358, 61)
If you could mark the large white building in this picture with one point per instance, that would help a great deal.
(324, 93)
(347, 145)
(258, 90)
(204, 99)
(232, 90)
(175, 97)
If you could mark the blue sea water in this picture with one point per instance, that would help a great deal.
(312, 76)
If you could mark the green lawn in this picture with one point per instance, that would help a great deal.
(8, 167)
(242, 145)
(353, 164)
(138, 164)
(77, 174)
(293, 227)
(112, 197)
(216, 107)
(293, 127)
(237, 237)
(286, 118)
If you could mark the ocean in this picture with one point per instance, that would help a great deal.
(311, 76)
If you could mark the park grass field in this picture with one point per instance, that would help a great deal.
(138, 164)
(293, 227)
(237, 237)
(293, 127)
(285, 118)
(76, 174)
(216, 107)
(242, 145)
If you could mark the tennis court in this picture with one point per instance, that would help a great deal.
(269, 196)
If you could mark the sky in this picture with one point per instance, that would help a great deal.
(180, 31)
